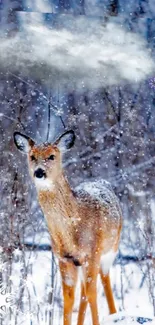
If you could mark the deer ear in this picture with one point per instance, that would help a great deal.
(22, 142)
(65, 141)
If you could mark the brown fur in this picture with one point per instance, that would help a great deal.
(70, 219)
(82, 228)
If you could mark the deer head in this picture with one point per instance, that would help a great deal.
(45, 160)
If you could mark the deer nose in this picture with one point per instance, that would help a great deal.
(39, 173)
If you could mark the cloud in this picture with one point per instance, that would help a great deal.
(78, 50)
(39, 5)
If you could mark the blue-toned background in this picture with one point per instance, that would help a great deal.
(89, 66)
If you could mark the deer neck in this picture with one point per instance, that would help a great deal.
(61, 211)
(60, 196)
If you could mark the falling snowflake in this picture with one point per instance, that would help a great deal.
(59, 111)
(28, 281)
(2, 264)
(140, 224)
(152, 82)
(7, 300)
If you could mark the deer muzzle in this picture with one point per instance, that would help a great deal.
(40, 173)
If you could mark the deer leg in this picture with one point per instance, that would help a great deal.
(91, 288)
(108, 292)
(83, 305)
(69, 279)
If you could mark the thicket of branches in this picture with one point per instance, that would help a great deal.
(115, 128)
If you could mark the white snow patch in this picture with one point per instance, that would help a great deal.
(136, 299)
(69, 281)
(122, 318)
(99, 190)
(107, 261)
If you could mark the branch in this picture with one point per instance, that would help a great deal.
(45, 97)
(49, 120)
(55, 109)
(129, 173)
(18, 121)
(125, 259)
(121, 259)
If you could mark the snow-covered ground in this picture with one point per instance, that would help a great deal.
(33, 307)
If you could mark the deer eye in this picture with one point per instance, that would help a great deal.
(33, 158)
(51, 157)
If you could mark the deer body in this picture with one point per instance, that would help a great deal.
(77, 220)
(84, 225)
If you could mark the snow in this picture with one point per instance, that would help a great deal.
(114, 119)
(100, 190)
(136, 301)
(125, 319)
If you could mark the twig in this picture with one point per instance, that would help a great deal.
(13, 119)
(49, 119)
(45, 97)
(111, 104)
(54, 108)
(122, 291)
(131, 172)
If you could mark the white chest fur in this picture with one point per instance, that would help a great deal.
(43, 184)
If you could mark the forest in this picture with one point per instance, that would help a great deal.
(87, 66)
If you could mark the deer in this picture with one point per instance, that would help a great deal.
(84, 224)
